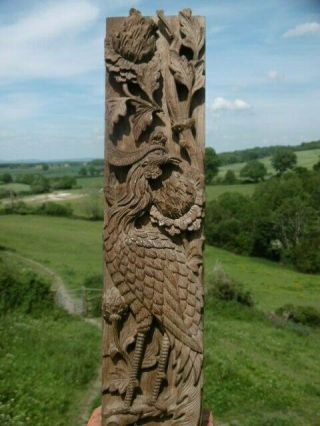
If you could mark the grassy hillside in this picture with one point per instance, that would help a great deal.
(305, 159)
(271, 283)
(46, 366)
(256, 372)
(16, 187)
(259, 374)
(73, 248)
(48, 359)
(90, 182)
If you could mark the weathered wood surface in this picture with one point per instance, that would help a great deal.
(154, 187)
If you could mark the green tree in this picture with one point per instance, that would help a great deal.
(293, 219)
(26, 178)
(284, 159)
(92, 170)
(6, 178)
(40, 184)
(254, 170)
(83, 171)
(211, 164)
(64, 182)
(93, 205)
(45, 166)
(316, 167)
(230, 177)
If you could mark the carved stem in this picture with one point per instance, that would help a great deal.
(139, 100)
(162, 365)
(187, 142)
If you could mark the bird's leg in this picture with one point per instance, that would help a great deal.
(162, 365)
(136, 365)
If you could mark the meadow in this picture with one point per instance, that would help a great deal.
(214, 191)
(48, 359)
(257, 372)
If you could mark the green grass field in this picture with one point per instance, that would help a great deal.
(16, 187)
(305, 159)
(55, 170)
(213, 191)
(256, 373)
(48, 361)
(73, 248)
(90, 182)
(46, 366)
(272, 284)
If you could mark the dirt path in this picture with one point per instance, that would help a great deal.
(67, 300)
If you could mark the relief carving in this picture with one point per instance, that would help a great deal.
(154, 185)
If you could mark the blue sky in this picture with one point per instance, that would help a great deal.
(263, 73)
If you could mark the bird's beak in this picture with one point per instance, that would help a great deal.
(173, 160)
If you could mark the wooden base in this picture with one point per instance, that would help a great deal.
(95, 419)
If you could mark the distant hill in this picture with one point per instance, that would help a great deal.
(245, 155)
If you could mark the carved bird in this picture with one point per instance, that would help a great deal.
(152, 274)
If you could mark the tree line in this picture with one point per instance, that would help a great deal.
(283, 159)
(245, 155)
(38, 183)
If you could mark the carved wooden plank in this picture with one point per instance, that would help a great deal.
(154, 187)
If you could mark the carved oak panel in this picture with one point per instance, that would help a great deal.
(154, 189)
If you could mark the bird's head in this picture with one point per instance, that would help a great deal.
(149, 166)
(153, 164)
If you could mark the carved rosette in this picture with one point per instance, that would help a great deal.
(154, 185)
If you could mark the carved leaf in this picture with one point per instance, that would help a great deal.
(116, 108)
(142, 119)
(118, 383)
(148, 78)
(113, 351)
(199, 79)
(127, 342)
(182, 69)
(192, 32)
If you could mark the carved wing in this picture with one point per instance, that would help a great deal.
(154, 272)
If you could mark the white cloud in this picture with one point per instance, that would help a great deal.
(274, 75)
(47, 42)
(309, 28)
(220, 104)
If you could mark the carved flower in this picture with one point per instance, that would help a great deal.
(175, 196)
(113, 304)
(178, 204)
(136, 41)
